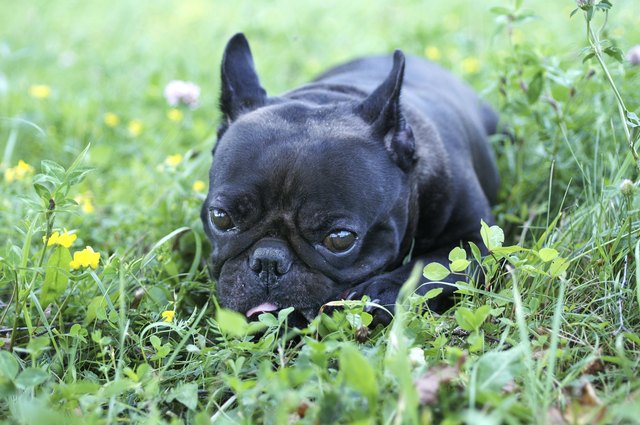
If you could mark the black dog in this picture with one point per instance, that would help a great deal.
(319, 194)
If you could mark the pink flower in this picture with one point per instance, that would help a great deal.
(633, 55)
(184, 92)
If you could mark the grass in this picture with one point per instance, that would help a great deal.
(555, 339)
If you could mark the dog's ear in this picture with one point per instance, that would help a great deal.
(382, 110)
(241, 91)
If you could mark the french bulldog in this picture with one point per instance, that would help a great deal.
(320, 193)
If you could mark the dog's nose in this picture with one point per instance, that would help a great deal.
(271, 258)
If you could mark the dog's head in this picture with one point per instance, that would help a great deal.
(308, 196)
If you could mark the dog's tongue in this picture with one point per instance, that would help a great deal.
(262, 308)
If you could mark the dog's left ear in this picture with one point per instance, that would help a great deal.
(382, 110)
(241, 90)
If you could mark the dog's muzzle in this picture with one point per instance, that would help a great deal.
(270, 260)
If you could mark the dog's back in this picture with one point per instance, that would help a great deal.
(462, 120)
(321, 193)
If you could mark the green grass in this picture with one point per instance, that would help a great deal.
(555, 338)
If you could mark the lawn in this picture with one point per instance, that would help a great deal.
(107, 313)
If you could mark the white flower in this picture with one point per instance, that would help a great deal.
(633, 55)
(626, 187)
(184, 92)
(416, 357)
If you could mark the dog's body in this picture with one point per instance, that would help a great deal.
(320, 193)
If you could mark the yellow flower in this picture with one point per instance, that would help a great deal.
(198, 186)
(9, 175)
(135, 127)
(39, 91)
(23, 167)
(85, 258)
(52, 239)
(111, 119)
(87, 206)
(173, 160)
(85, 201)
(175, 115)
(470, 65)
(65, 239)
(19, 172)
(432, 53)
(168, 315)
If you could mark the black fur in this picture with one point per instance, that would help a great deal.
(390, 149)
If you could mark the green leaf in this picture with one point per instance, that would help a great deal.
(497, 368)
(155, 341)
(354, 320)
(633, 120)
(8, 365)
(493, 237)
(457, 253)
(56, 276)
(465, 318)
(366, 318)
(475, 341)
(284, 313)
(588, 56)
(475, 252)
(187, 394)
(535, 87)
(116, 387)
(44, 184)
(459, 265)
(42, 191)
(435, 271)
(471, 320)
(53, 169)
(78, 160)
(432, 293)
(7, 387)
(498, 10)
(558, 267)
(231, 322)
(508, 250)
(78, 175)
(547, 254)
(358, 373)
(30, 377)
(37, 345)
(162, 351)
(96, 308)
(481, 314)
(615, 53)
(268, 319)
(79, 332)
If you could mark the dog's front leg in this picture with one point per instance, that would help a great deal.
(383, 289)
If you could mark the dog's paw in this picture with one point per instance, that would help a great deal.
(382, 293)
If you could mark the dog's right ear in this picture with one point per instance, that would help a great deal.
(241, 91)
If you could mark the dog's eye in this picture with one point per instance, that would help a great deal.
(340, 240)
(221, 219)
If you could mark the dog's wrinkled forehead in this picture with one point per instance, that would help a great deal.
(293, 133)
(299, 122)
(290, 147)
